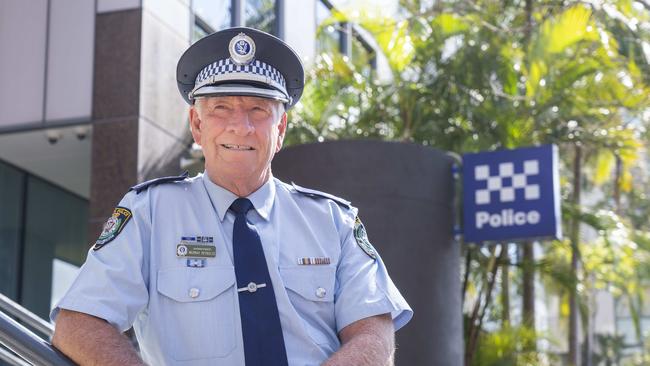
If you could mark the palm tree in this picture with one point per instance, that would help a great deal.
(481, 75)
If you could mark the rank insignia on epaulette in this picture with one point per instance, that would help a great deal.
(318, 194)
(138, 188)
(113, 226)
(362, 238)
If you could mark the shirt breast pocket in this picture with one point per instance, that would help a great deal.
(311, 292)
(198, 309)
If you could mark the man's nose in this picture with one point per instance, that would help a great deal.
(240, 124)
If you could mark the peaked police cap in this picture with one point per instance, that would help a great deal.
(240, 61)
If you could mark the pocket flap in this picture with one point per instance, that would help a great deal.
(315, 283)
(185, 284)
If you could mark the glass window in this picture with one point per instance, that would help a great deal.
(328, 40)
(260, 14)
(332, 37)
(55, 227)
(322, 12)
(363, 57)
(625, 327)
(11, 192)
(216, 14)
(63, 275)
(199, 31)
(328, 36)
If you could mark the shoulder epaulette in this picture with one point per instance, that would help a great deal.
(318, 194)
(154, 182)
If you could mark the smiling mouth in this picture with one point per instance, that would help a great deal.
(237, 147)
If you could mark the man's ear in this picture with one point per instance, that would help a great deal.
(195, 124)
(282, 129)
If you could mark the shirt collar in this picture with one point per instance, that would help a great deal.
(222, 198)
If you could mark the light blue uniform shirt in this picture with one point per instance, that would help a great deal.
(185, 315)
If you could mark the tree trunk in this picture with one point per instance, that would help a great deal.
(528, 259)
(529, 21)
(476, 321)
(574, 344)
(617, 184)
(468, 263)
(528, 284)
(589, 326)
(505, 287)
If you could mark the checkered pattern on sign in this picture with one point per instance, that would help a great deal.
(506, 182)
(227, 66)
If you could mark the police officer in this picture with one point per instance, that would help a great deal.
(233, 266)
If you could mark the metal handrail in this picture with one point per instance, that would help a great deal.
(14, 309)
(28, 345)
(12, 359)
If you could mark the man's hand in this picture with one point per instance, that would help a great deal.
(89, 340)
(366, 342)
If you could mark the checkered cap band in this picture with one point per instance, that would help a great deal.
(227, 67)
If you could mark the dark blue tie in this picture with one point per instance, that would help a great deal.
(260, 321)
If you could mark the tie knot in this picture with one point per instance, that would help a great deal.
(241, 205)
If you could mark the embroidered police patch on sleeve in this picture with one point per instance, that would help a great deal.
(113, 226)
(362, 239)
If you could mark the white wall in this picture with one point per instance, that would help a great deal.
(46, 66)
(300, 27)
(22, 65)
(70, 60)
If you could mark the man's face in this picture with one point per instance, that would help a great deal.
(239, 135)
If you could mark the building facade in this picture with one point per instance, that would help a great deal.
(90, 107)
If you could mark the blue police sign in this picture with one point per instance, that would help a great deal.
(511, 194)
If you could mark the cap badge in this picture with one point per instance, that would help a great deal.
(242, 49)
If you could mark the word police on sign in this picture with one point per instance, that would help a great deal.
(511, 194)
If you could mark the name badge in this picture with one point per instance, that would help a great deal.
(196, 251)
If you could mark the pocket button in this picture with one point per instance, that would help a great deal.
(321, 292)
